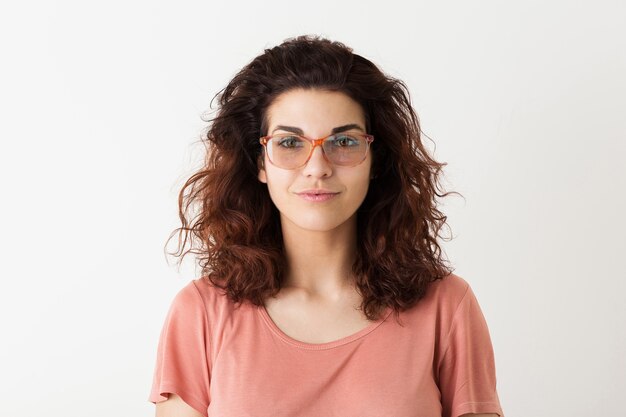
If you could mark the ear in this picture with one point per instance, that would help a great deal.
(262, 176)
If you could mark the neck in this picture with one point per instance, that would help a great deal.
(320, 262)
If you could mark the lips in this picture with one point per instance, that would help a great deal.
(317, 191)
(317, 195)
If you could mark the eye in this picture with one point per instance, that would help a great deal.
(344, 141)
(289, 141)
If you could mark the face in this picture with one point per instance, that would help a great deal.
(316, 113)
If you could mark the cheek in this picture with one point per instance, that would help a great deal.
(277, 183)
(362, 178)
(363, 187)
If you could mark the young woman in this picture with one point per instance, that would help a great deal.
(315, 220)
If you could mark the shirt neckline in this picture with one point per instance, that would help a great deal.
(322, 346)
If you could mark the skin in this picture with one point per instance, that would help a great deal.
(174, 406)
(319, 238)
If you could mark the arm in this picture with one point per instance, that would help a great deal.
(181, 381)
(467, 368)
(174, 406)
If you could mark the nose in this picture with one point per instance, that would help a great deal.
(318, 166)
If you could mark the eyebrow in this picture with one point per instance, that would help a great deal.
(337, 129)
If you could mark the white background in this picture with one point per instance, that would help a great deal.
(101, 106)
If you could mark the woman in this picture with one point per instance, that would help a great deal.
(316, 219)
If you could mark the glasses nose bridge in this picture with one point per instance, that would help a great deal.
(317, 142)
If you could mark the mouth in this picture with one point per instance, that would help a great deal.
(317, 196)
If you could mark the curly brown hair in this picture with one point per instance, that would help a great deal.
(234, 228)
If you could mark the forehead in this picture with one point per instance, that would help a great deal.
(314, 111)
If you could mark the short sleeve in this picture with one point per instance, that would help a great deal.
(182, 365)
(467, 374)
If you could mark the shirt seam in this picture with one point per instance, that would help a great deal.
(169, 387)
(321, 346)
(496, 407)
(208, 327)
(446, 342)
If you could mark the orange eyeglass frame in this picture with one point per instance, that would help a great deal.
(319, 142)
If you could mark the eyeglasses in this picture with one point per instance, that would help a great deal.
(291, 151)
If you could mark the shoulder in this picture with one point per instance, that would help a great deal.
(202, 294)
(200, 289)
(442, 300)
(199, 303)
(451, 289)
(206, 289)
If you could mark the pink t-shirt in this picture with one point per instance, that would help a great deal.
(235, 362)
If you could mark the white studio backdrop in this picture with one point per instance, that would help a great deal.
(101, 106)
